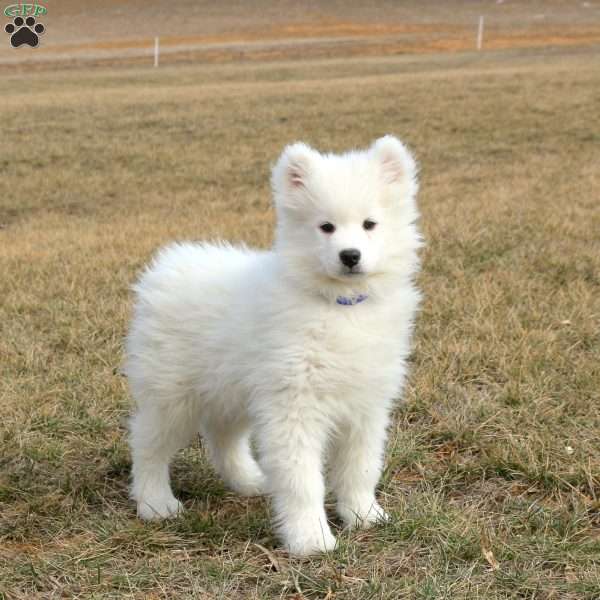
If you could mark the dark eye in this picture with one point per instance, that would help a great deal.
(368, 224)
(327, 227)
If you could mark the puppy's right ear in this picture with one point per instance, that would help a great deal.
(292, 172)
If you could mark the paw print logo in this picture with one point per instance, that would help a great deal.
(24, 31)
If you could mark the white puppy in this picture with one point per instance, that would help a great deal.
(302, 348)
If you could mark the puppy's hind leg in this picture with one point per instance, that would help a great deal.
(231, 454)
(157, 432)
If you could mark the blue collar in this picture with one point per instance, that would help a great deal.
(352, 300)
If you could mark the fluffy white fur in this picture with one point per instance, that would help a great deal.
(241, 344)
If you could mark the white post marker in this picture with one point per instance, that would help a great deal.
(156, 51)
(480, 33)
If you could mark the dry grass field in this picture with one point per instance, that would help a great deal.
(493, 465)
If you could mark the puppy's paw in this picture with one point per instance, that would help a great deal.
(249, 488)
(362, 515)
(311, 536)
(307, 545)
(155, 509)
(250, 484)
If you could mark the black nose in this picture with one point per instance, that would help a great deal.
(350, 257)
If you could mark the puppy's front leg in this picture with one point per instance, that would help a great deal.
(291, 440)
(356, 466)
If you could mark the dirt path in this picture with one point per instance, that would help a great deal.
(299, 41)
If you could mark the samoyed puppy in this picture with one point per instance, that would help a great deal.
(295, 354)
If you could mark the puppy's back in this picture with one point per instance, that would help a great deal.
(183, 299)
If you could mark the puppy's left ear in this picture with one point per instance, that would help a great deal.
(396, 163)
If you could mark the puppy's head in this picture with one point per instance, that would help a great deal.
(346, 222)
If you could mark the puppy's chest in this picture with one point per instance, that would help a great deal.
(347, 352)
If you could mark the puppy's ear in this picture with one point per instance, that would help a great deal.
(291, 173)
(395, 161)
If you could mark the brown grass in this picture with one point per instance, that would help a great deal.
(492, 468)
